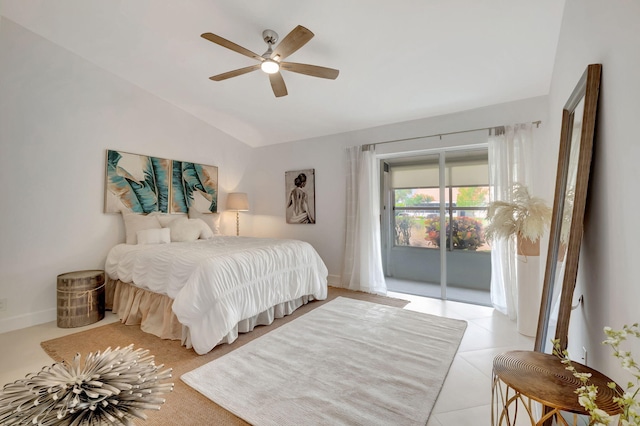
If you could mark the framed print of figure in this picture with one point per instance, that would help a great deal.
(301, 198)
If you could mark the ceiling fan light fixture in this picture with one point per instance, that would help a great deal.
(272, 61)
(270, 66)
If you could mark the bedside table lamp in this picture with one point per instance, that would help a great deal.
(238, 202)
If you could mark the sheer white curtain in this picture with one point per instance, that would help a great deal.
(362, 267)
(509, 150)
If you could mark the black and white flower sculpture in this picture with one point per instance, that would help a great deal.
(111, 388)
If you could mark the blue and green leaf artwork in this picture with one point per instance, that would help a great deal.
(194, 185)
(136, 183)
(157, 175)
(144, 184)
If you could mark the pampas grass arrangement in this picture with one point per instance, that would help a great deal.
(525, 216)
(111, 388)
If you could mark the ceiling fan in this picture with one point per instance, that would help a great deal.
(271, 61)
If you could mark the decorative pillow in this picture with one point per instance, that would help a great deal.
(205, 230)
(185, 229)
(154, 236)
(166, 218)
(134, 222)
(211, 219)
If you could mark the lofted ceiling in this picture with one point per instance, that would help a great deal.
(398, 60)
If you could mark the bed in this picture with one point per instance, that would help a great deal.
(205, 292)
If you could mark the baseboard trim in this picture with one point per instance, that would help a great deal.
(27, 320)
(333, 280)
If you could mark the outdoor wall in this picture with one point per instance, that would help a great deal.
(465, 269)
(58, 116)
(608, 33)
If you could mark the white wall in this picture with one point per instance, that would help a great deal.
(594, 31)
(58, 116)
(327, 156)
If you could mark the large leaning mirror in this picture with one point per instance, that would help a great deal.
(565, 234)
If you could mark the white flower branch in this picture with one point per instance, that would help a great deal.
(587, 393)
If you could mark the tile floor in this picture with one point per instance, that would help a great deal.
(465, 398)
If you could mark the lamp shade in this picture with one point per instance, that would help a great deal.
(238, 201)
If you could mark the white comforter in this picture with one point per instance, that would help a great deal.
(218, 282)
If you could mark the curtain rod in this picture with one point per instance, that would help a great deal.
(537, 123)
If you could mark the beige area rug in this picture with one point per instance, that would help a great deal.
(348, 362)
(183, 406)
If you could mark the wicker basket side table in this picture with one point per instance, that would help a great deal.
(522, 378)
(80, 298)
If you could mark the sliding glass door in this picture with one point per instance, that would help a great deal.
(435, 208)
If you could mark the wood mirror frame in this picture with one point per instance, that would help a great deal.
(572, 179)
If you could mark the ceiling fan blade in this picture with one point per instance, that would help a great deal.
(293, 41)
(231, 45)
(277, 84)
(312, 70)
(234, 73)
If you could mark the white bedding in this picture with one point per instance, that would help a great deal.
(216, 283)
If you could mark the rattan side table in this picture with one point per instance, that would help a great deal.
(521, 378)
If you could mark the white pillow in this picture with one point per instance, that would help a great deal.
(185, 229)
(154, 236)
(205, 231)
(134, 222)
(165, 218)
(211, 219)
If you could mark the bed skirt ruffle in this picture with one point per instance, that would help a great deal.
(152, 311)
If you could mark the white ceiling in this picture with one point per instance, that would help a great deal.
(398, 60)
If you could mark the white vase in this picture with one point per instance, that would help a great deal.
(529, 286)
(529, 293)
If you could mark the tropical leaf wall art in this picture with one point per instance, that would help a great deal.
(179, 194)
(157, 175)
(194, 184)
(144, 184)
(136, 183)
